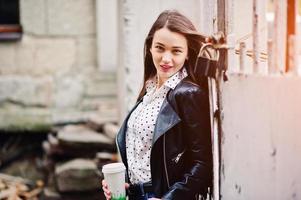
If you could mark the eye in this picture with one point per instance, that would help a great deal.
(177, 51)
(159, 48)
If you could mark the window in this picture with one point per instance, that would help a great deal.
(10, 28)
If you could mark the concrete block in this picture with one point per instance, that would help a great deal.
(79, 135)
(25, 55)
(26, 90)
(97, 118)
(111, 130)
(105, 107)
(67, 116)
(7, 57)
(108, 108)
(37, 56)
(86, 51)
(33, 16)
(104, 76)
(77, 175)
(71, 17)
(68, 92)
(16, 118)
(101, 90)
(104, 103)
(53, 55)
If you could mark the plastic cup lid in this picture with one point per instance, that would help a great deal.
(113, 168)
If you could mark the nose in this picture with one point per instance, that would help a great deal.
(166, 58)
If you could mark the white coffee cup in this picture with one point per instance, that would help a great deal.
(114, 174)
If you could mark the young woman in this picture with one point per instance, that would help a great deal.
(165, 141)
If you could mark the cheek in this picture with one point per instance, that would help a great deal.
(181, 60)
(156, 58)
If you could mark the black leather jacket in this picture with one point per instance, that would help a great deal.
(181, 158)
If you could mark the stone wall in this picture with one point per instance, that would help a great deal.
(51, 76)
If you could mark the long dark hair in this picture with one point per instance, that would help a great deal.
(175, 22)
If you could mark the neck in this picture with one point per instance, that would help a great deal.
(160, 82)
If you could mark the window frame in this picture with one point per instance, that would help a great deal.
(10, 30)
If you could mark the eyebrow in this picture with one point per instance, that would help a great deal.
(175, 47)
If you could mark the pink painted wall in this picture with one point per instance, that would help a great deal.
(261, 143)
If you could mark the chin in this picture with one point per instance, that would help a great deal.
(166, 75)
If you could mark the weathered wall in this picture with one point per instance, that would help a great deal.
(51, 75)
(261, 142)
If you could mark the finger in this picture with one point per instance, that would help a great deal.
(104, 183)
(108, 197)
(106, 191)
(105, 188)
(127, 186)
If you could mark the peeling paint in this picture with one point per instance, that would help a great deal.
(264, 163)
(294, 196)
(223, 169)
(238, 188)
(274, 152)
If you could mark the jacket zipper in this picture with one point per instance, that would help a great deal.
(117, 145)
(165, 166)
(177, 158)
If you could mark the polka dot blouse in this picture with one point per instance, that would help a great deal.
(141, 125)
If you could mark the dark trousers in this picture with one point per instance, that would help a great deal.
(139, 193)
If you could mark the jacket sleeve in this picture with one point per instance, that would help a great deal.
(193, 106)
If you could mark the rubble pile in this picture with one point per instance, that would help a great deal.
(64, 164)
(73, 158)
(17, 188)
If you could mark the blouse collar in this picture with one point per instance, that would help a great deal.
(171, 82)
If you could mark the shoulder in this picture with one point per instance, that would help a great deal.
(188, 94)
(190, 100)
(187, 88)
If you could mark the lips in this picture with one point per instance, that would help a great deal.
(165, 67)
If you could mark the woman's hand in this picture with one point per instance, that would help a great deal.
(154, 199)
(106, 190)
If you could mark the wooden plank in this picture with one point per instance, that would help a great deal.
(231, 66)
(208, 16)
(225, 22)
(271, 65)
(259, 37)
(279, 35)
(215, 137)
(292, 57)
(221, 15)
(242, 56)
(292, 11)
(255, 37)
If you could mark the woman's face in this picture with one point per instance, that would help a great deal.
(169, 51)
